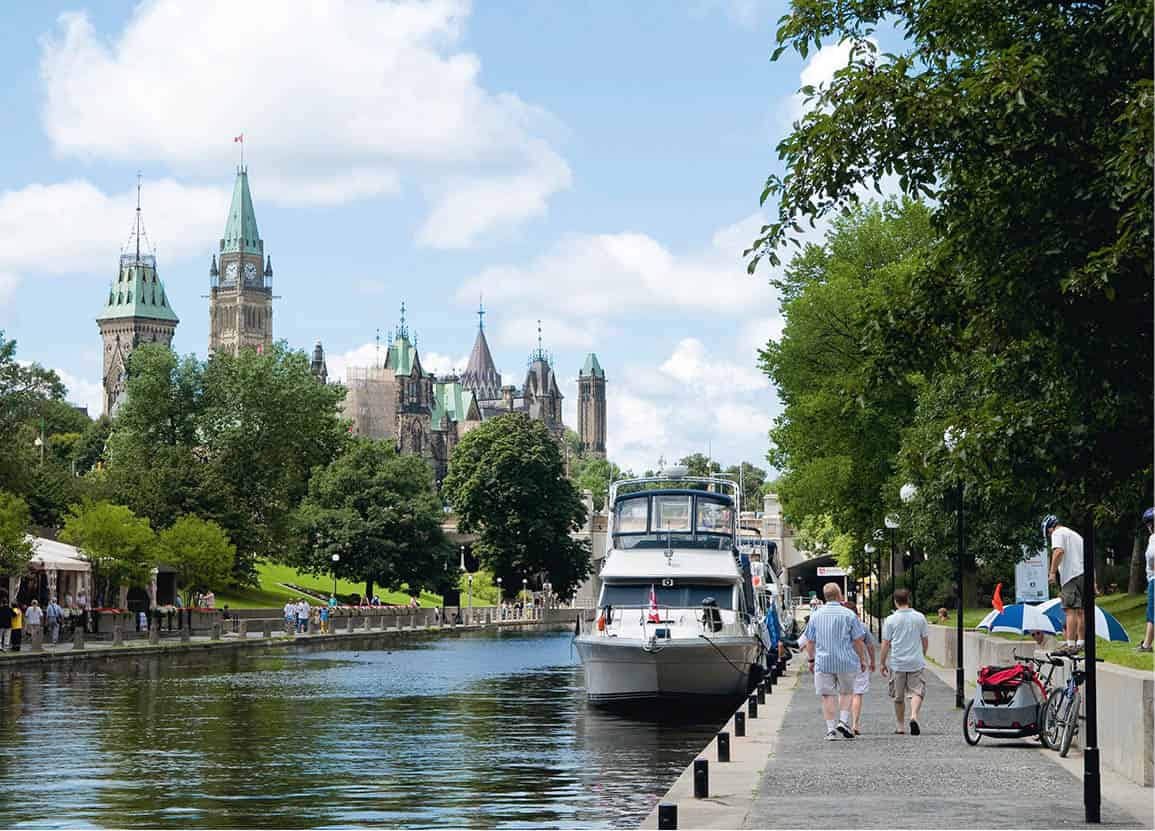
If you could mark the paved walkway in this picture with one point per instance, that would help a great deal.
(882, 780)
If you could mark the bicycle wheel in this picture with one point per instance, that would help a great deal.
(1072, 722)
(1051, 728)
(970, 725)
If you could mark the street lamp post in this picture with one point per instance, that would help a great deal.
(868, 550)
(500, 596)
(336, 559)
(891, 522)
(470, 582)
(879, 535)
(524, 583)
(907, 493)
(951, 438)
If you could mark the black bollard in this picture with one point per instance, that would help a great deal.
(752, 706)
(701, 779)
(768, 686)
(723, 746)
(760, 692)
(667, 815)
(781, 666)
(772, 678)
(739, 724)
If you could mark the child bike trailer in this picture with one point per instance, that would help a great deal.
(1007, 705)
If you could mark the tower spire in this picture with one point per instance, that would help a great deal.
(481, 312)
(377, 358)
(138, 216)
(402, 330)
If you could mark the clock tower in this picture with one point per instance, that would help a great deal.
(241, 278)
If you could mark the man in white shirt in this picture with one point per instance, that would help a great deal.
(1149, 635)
(905, 637)
(1067, 572)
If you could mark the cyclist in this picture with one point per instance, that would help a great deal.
(1066, 548)
(1149, 635)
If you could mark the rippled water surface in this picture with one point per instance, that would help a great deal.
(479, 730)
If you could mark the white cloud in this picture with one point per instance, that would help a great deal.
(606, 276)
(336, 100)
(755, 334)
(818, 70)
(690, 365)
(367, 355)
(440, 364)
(74, 226)
(83, 392)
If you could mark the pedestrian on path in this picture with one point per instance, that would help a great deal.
(324, 615)
(905, 638)
(5, 626)
(17, 626)
(862, 679)
(290, 611)
(1149, 635)
(834, 644)
(33, 618)
(53, 614)
(1066, 548)
(303, 615)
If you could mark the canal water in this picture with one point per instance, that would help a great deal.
(478, 730)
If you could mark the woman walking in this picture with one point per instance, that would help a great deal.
(861, 679)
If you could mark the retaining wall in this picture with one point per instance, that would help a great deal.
(1126, 697)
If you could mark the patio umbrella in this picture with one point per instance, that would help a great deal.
(1019, 618)
(1106, 626)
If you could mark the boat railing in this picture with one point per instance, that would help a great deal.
(620, 616)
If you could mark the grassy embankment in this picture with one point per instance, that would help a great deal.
(272, 594)
(1129, 609)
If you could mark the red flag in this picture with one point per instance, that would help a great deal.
(260, 349)
(997, 600)
(654, 616)
(240, 138)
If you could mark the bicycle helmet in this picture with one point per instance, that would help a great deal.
(1149, 515)
(1049, 522)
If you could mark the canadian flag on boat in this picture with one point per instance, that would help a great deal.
(654, 616)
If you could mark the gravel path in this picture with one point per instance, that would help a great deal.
(882, 780)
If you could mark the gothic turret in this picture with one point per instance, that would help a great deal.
(541, 394)
(317, 365)
(241, 299)
(481, 376)
(137, 312)
(592, 407)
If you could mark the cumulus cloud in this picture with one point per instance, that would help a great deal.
(608, 276)
(81, 225)
(367, 355)
(83, 392)
(337, 101)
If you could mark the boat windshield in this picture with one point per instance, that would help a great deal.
(680, 596)
(679, 518)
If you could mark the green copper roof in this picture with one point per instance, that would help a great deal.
(138, 292)
(241, 234)
(450, 398)
(592, 367)
(401, 355)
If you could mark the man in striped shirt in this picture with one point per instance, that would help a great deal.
(834, 644)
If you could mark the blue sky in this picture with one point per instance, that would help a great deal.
(596, 166)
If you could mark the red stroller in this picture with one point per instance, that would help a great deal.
(1009, 702)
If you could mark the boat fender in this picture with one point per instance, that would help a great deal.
(601, 623)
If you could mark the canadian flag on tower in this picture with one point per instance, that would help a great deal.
(654, 616)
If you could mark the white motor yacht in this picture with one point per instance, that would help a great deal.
(675, 615)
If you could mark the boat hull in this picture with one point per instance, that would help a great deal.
(630, 669)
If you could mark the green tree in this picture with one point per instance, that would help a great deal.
(506, 482)
(1030, 124)
(199, 551)
(377, 511)
(594, 475)
(120, 546)
(751, 479)
(24, 389)
(15, 547)
(89, 448)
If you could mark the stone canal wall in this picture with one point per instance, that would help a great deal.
(269, 633)
(1126, 698)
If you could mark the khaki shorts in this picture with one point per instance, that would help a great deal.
(903, 684)
(834, 683)
(1072, 593)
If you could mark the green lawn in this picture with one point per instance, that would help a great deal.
(1129, 609)
(272, 595)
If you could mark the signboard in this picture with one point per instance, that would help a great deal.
(1031, 577)
(831, 571)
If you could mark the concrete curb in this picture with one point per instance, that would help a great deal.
(733, 785)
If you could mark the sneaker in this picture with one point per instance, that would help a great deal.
(831, 735)
(914, 728)
(1142, 648)
(845, 730)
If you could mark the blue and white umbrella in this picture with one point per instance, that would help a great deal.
(1019, 618)
(1106, 626)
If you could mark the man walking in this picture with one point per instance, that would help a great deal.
(834, 644)
(33, 619)
(1067, 571)
(52, 616)
(905, 637)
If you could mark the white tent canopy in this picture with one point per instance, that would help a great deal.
(57, 556)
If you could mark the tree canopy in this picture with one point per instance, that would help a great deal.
(200, 553)
(378, 512)
(15, 547)
(121, 546)
(506, 482)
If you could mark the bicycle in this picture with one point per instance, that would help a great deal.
(1061, 711)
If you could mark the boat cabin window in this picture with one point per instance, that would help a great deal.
(679, 596)
(672, 513)
(675, 518)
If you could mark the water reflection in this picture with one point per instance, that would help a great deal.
(478, 730)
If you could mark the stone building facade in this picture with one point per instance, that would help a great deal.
(137, 312)
(241, 282)
(592, 407)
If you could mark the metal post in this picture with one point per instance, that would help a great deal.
(723, 746)
(760, 693)
(701, 779)
(892, 569)
(913, 580)
(1092, 794)
(667, 815)
(752, 706)
(959, 681)
(739, 724)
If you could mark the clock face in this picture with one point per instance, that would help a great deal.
(231, 273)
(251, 275)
